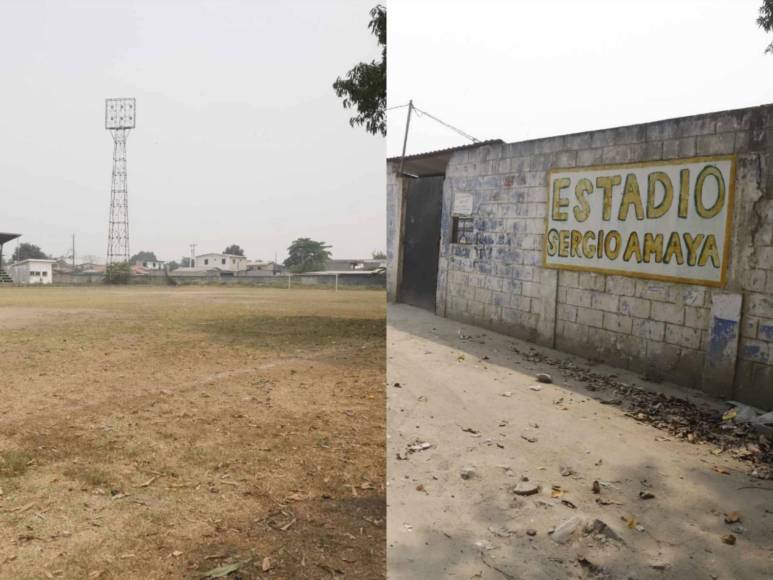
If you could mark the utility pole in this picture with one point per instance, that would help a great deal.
(193, 254)
(73, 252)
(405, 138)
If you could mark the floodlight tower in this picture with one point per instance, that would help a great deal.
(120, 118)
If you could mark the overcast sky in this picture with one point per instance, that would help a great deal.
(521, 69)
(240, 137)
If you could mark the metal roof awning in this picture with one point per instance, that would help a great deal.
(4, 237)
(435, 162)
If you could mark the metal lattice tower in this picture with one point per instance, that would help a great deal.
(120, 118)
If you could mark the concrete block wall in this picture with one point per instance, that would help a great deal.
(394, 205)
(663, 329)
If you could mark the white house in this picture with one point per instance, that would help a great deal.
(151, 264)
(32, 271)
(223, 262)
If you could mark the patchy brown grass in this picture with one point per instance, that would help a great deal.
(161, 433)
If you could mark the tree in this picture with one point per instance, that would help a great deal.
(27, 251)
(173, 265)
(118, 273)
(307, 255)
(234, 249)
(765, 20)
(378, 255)
(143, 257)
(186, 262)
(364, 86)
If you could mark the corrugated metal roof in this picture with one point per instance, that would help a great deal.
(435, 162)
(448, 150)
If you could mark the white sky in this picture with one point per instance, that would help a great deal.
(240, 137)
(521, 69)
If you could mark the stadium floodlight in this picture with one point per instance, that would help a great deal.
(120, 113)
(120, 118)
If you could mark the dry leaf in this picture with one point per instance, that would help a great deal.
(729, 539)
(223, 571)
(266, 565)
(732, 517)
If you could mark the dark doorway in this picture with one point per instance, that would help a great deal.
(421, 241)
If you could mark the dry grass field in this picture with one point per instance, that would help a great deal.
(168, 432)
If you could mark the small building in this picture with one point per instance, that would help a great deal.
(90, 268)
(261, 268)
(548, 240)
(151, 264)
(223, 262)
(32, 271)
(344, 264)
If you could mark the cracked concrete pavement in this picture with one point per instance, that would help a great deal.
(475, 400)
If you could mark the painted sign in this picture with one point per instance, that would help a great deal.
(462, 204)
(663, 220)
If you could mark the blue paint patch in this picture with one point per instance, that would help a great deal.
(723, 334)
(766, 331)
(482, 267)
(461, 251)
(755, 352)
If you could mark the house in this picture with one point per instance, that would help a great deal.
(261, 268)
(342, 264)
(90, 268)
(229, 263)
(151, 264)
(32, 271)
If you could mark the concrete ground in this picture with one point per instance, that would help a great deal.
(482, 418)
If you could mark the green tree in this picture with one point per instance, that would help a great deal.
(27, 251)
(234, 249)
(118, 273)
(364, 86)
(307, 255)
(186, 262)
(143, 257)
(765, 20)
(173, 265)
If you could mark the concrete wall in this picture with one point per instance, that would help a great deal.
(345, 281)
(394, 197)
(720, 340)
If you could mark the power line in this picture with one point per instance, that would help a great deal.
(455, 129)
(420, 112)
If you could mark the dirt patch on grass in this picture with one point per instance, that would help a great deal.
(14, 317)
(190, 433)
